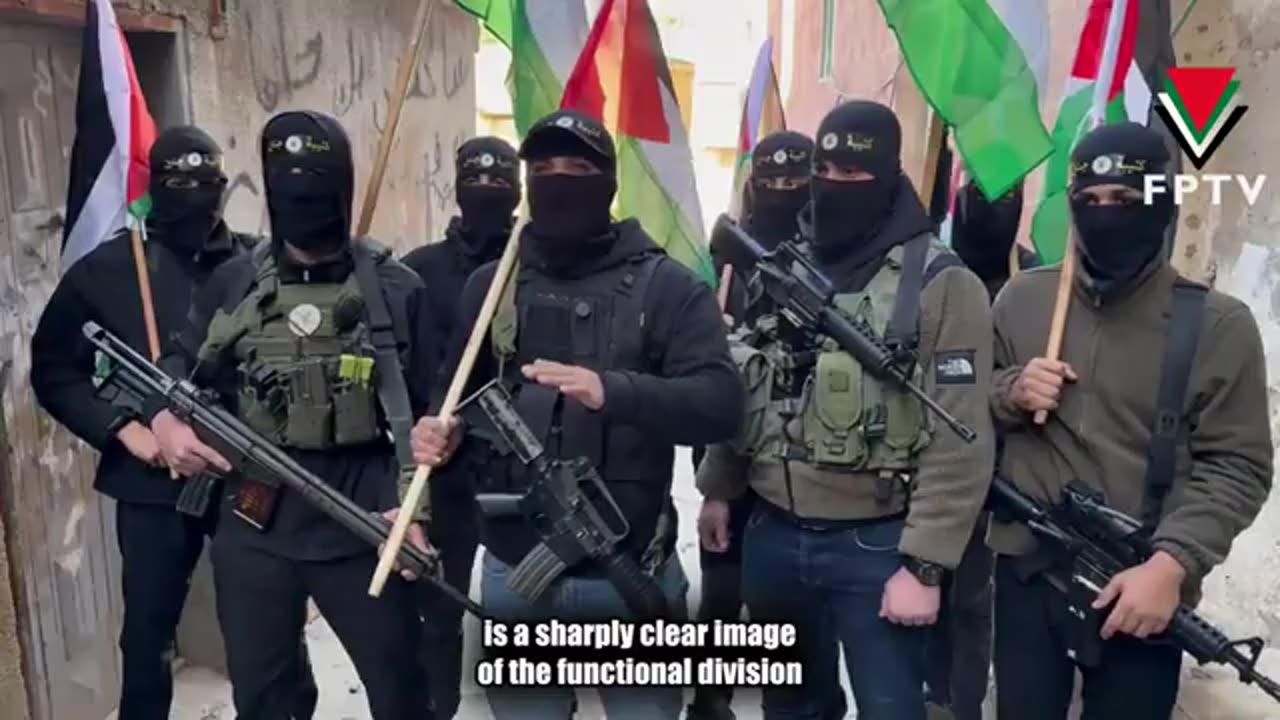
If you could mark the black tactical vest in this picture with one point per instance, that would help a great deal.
(595, 322)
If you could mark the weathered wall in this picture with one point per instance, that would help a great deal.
(229, 73)
(12, 685)
(1238, 247)
(341, 58)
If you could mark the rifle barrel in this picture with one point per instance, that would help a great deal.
(227, 434)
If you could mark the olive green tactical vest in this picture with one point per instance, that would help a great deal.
(302, 383)
(844, 420)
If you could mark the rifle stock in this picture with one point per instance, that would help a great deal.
(1099, 542)
(256, 459)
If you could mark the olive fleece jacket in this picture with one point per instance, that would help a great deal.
(1102, 428)
(951, 483)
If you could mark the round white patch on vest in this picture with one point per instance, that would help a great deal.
(304, 320)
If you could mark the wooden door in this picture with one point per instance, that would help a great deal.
(61, 534)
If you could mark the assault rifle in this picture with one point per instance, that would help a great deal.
(1097, 542)
(252, 455)
(804, 296)
(572, 511)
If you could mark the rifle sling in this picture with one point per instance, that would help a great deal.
(904, 324)
(392, 390)
(1169, 428)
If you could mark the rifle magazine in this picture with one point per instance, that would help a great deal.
(535, 573)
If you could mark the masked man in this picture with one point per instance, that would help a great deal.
(616, 354)
(983, 234)
(278, 333)
(159, 547)
(775, 193)
(862, 502)
(488, 190)
(1141, 343)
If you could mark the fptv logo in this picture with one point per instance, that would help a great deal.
(1201, 105)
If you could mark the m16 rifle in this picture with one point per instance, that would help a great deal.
(804, 296)
(1096, 543)
(569, 505)
(252, 455)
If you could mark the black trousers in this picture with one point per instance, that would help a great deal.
(159, 548)
(455, 533)
(960, 644)
(1134, 680)
(262, 607)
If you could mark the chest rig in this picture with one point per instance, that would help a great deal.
(596, 322)
(813, 403)
(305, 360)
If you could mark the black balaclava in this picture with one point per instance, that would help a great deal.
(187, 188)
(309, 178)
(1118, 242)
(486, 206)
(865, 135)
(770, 213)
(569, 214)
(983, 232)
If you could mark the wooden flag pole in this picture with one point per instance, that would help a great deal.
(144, 289)
(1097, 116)
(408, 64)
(932, 151)
(726, 277)
(412, 497)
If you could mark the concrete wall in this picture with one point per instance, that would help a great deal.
(12, 685)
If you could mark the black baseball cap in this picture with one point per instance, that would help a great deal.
(569, 132)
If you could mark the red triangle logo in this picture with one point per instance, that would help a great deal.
(1199, 89)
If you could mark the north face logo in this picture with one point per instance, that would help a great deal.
(954, 367)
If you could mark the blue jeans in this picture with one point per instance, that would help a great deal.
(828, 581)
(566, 599)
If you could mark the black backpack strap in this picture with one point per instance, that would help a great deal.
(940, 262)
(1169, 429)
(903, 332)
(392, 390)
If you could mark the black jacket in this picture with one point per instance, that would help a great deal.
(368, 474)
(696, 397)
(444, 268)
(102, 287)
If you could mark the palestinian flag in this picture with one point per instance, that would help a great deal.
(981, 64)
(762, 116)
(1128, 98)
(114, 132)
(618, 73)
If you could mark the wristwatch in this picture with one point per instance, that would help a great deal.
(929, 574)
